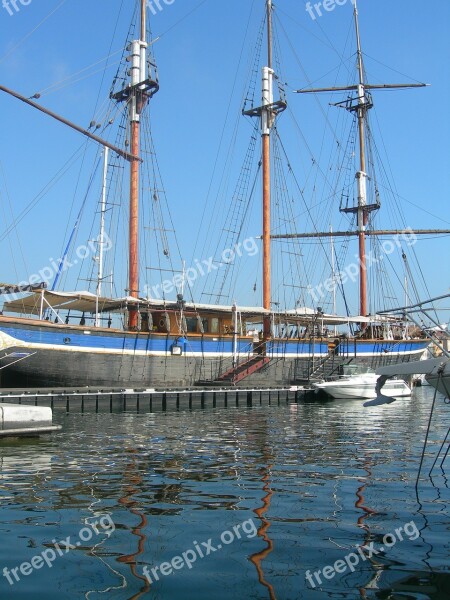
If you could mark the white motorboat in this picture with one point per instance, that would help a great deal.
(363, 387)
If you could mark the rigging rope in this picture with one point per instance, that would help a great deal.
(29, 34)
(236, 215)
(18, 244)
(238, 120)
(38, 198)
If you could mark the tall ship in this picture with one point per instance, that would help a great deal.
(52, 337)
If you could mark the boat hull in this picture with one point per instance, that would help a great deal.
(365, 391)
(43, 354)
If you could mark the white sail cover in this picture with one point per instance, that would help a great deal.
(78, 301)
(88, 302)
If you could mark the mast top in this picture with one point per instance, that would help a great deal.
(143, 21)
(269, 108)
(269, 34)
(141, 86)
(358, 44)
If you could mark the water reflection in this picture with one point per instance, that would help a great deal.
(363, 523)
(133, 484)
(318, 480)
(263, 532)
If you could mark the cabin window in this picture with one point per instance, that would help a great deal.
(214, 325)
(205, 325)
(191, 324)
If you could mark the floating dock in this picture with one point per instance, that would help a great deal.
(148, 400)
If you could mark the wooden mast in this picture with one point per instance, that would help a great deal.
(135, 106)
(363, 215)
(267, 113)
(136, 94)
(361, 106)
(267, 119)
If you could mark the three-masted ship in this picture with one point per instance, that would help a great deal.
(50, 337)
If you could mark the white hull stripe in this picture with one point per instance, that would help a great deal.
(7, 341)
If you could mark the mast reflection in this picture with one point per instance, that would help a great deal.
(135, 484)
(258, 558)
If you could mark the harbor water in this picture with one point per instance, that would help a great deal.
(287, 501)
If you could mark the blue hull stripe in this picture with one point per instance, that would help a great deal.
(68, 339)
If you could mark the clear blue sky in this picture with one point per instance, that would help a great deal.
(198, 59)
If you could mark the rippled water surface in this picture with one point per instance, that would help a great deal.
(236, 503)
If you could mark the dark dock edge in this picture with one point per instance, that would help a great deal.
(97, 399)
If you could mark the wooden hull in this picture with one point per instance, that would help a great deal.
(36, 353)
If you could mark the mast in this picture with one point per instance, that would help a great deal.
(267, 113)
(267, 119)
(361, 176)
(136, 94)
(135, 106)
(361, 105)
(102, 222)
(101, 241)
(333, 273)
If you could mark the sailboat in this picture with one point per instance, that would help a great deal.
(68, 338)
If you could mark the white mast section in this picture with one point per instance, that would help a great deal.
(101, 239)
(267, 117)
(333, 273)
